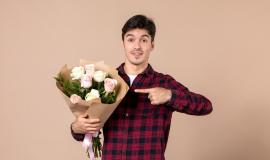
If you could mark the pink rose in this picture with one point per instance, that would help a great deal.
(109, 84)
(74, 98)
(86, 81)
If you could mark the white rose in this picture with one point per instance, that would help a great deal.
(92, 95)
(109, 84)
(86, 81)
(77, 72)
(89, 69)
(99, 76)
(74, 98)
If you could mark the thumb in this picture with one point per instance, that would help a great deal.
(85, 115)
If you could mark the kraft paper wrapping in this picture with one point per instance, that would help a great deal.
(94, 108)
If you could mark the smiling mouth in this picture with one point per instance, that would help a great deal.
(137, 54)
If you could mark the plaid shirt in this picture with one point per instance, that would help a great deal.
(138, 130)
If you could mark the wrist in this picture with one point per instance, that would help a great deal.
(169, 95)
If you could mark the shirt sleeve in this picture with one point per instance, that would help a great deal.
(184, 101)
(76, 136)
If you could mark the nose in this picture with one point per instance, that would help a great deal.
(137, 45)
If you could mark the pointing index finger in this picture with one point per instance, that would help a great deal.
(147, 90)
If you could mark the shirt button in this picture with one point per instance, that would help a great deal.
(126, 114)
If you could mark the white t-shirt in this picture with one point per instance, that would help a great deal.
(131, 78)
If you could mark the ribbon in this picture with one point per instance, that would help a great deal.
(88, 145)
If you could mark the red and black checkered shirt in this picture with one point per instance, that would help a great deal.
(138, 130)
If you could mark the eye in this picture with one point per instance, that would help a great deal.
(130, 40)
(144, 40)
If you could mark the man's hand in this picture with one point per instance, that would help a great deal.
(83, 125)
(157, 95)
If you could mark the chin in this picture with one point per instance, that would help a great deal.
(137, 63)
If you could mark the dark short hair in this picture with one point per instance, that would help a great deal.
(140, 22)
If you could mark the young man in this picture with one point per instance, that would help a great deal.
(139, 127)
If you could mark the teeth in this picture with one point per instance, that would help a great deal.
(139, 53)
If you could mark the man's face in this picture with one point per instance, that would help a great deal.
(137, 45)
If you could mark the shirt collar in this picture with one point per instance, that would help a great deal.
(148, 71)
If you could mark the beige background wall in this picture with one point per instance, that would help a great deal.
(219, 48)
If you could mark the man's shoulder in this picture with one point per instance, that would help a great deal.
(161, 75)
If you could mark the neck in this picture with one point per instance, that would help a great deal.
(134, 69)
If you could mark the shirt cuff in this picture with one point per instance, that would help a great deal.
(171, 102)
(76, 136)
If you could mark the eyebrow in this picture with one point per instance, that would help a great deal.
(145, 35)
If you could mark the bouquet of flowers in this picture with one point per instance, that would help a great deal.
(95, 89)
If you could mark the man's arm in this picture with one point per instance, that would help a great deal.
(83, 125)
(76, 136)
(178, 97)
(182, 100)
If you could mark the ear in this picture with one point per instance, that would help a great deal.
(153, 45)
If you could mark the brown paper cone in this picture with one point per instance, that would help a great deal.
(95, 108)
